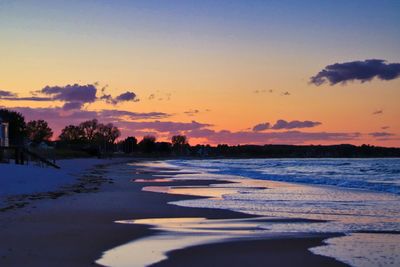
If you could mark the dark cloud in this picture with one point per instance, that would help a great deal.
(127, 96)
(6, 94)
(261, 127)
(72, 105)
(377, 112)
(74, 96)
(381, 134)
(287, 125)
(357, 70)
(385, 127)
(71, 93)
(282, 124)
(108, 99)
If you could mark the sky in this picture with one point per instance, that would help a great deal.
(235, 72)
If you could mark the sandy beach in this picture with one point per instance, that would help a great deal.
(75, 229)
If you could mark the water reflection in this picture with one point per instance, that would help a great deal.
(343, 210)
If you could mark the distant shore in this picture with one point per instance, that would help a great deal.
(76, 228)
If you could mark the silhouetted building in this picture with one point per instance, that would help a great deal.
(3, 133)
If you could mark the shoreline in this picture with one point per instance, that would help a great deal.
(56, 226)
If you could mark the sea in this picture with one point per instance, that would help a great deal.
(358, 199)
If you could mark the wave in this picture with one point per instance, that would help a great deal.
(381, 175)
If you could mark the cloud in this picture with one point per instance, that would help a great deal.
(6, 94)
(263, 91)
(385, 127)
(381, 134)
(31, 98)
(74, 96)
(159, 96)
(71, 93)
(127, 96)
(165, 126)
(288, 137)
(72, 105)
(377, 112)
(108, 99)
(129, 116)
(10, 96)
(261, 127)
(282, 124)
(59, 117)
(357, 70)
(192, 112)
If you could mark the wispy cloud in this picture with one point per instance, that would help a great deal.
(362, 71)
(378, 112)
(263, 91)
(6, 94)
(165, 126)
(59, 117)
(287, 137)
(192, 112)
(160, 96)
(381, 134)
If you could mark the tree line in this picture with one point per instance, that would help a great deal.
(95, 138)
(90, 136)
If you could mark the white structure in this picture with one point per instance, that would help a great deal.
(3, 133)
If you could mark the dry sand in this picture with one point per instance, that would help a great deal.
(74, 230)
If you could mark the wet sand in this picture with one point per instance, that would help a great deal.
(74, 229)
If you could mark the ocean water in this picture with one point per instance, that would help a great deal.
(359, 198)
(368, 174)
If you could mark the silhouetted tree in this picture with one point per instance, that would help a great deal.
(106, 133)
(164, 147)
(16, 126)
(179, 143)
(72, 134)
(129, 144)
(90, 129)
(38, 131)
(148, 144)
